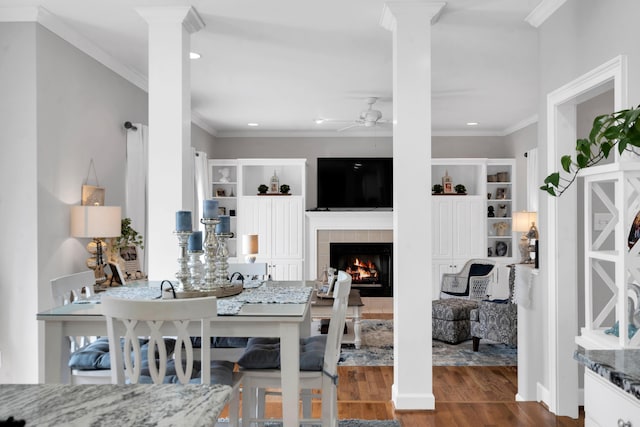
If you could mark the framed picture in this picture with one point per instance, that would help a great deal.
(501, 193)
(634, 233)
(117, 276)
(448, 187)
(92, 195)
(222, 210)
(220, 192)
(502, 248)
(131, 264)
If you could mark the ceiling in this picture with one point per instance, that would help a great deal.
(284, 63)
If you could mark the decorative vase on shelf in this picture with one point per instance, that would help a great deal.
(275, 183)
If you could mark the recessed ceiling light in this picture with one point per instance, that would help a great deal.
(319, 121)
(472, 123)
(194, 55)
(252, 124)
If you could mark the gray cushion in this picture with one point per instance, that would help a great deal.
(95, 356)
(264, 353)
(221, 373)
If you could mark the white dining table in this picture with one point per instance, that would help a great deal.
(288, 321)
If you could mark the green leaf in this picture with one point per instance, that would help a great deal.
(583, 146)
(553, 179)
(582, 161)
(566, 163)
(622, 145)
(612, 132)
(606, 148)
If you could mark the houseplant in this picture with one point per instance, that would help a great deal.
(460, 189)
(262, 189)
(128, 238)
(621, 129)
(437, 189)
(284, 188)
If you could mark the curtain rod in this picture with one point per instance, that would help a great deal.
(129, 125)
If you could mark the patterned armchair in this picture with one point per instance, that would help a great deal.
(496, 320)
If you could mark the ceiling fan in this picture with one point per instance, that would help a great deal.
(367, 118)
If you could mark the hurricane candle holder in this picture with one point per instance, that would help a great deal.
(210, 248)
(196, 269)
(222, 256)
(183, 271)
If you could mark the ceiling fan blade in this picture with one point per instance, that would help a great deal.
(348, 127)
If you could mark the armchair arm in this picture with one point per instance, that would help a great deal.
(496, 322)
(453, 285)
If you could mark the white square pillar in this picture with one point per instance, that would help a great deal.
(410, 22)
(170, 180)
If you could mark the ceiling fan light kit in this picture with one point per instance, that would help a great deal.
(367, 118)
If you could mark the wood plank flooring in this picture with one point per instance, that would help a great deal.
(471, 396)
(466, 396)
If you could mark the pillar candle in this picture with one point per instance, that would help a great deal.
(210, 209)
(195, 241)
(183, 221)
(224, 226)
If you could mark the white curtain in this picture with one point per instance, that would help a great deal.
(533, 183)
(202, 184)
(136, 184)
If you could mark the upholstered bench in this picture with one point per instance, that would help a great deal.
(451, 319)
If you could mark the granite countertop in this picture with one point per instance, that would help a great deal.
(620, 367)
(44, 405)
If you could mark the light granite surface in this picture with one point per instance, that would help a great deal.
(620, 367)
(44, 405)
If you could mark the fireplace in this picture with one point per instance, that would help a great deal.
(370, 266)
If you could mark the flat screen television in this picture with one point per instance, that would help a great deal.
(355, 183)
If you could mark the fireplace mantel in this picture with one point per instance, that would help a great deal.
(340, 220)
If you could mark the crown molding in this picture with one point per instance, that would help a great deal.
(303, 134)
(543, 11)
(52, 23)
(198, 120)
(520, 125)
(431, 9)
(186, 15)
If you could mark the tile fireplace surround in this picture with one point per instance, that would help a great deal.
(343, 227)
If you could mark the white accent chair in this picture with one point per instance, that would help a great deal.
(65, 290)
(317, 355)
(128, 320)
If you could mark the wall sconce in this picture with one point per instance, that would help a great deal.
(525, 223)
(96, 223)
(250, 247)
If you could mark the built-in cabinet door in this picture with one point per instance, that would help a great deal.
(442, 225)
(286, 269)
(287, 218)
(255, 218)
(468, 227)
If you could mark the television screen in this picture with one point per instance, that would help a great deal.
(355, 183)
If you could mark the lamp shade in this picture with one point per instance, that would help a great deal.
(95, 221)
(249, 244)
(522, 220)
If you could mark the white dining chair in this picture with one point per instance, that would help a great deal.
(128, 320)
(319, 357)
(87, 353)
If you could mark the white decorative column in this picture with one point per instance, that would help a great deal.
(410, 22)
(170, 180)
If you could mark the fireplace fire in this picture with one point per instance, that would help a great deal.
(369, 265)
(362, 272)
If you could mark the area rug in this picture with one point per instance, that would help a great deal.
(377, 350)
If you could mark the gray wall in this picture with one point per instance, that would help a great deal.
(312, 148)
(74, 109)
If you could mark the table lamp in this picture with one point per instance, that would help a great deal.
(250, 247)
(525, 223)
(96, 223)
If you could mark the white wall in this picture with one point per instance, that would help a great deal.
(201, 140)
(580, 36)
(520, 142)
(18, 204)
(312, 148)
(77, 113)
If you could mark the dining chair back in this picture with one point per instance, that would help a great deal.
(85, 360)
(319, 357)
(129, 319)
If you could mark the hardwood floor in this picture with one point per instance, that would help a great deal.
(465, 396)
(474, 396)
